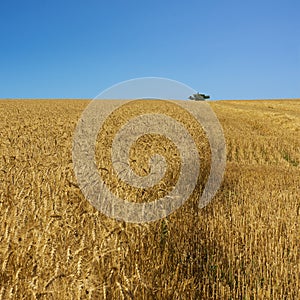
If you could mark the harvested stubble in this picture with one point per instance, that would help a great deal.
(243, 245)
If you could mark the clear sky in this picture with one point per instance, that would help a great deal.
(75, 49)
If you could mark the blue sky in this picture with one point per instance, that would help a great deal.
(76, 49)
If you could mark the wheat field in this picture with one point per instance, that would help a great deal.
(243, 245)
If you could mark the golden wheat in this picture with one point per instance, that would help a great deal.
(243, 245)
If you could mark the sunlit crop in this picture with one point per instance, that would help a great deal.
(243, 245)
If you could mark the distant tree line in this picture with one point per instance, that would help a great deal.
(199, 97)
